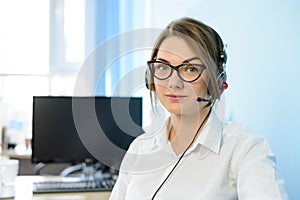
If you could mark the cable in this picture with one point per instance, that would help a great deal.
(180, 158)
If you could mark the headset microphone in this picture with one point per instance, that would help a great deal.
(199, 99)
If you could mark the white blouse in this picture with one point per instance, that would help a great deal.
(226, 162)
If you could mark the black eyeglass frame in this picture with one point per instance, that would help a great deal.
(149, 63)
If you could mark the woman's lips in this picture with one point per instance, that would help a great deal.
(175, 97)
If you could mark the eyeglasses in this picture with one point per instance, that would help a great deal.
(187, 72)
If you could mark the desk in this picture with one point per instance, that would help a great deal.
(23, 191)
(25, 165)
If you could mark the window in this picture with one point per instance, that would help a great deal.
(67, 26)
(42, 48)
(24, 37)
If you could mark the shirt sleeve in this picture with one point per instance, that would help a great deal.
(120, 188)
(119, 191)
(257, 178)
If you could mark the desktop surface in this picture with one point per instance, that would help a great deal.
(23, 190)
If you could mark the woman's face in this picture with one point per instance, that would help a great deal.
(177, 96)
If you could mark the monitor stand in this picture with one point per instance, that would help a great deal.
(87, 170)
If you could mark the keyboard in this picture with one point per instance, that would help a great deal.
(73, 186)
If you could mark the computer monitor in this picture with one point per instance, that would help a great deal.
(60, 129)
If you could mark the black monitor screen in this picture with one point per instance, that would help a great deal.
(59, 135)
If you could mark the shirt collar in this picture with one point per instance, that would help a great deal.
(210, 136)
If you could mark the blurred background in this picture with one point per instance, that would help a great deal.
(44, 43)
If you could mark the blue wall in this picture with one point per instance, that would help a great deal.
(263, 38)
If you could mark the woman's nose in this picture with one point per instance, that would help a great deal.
(175, 81)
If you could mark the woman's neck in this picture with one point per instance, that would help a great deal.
(184, 128)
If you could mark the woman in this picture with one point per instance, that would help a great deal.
(196, 155)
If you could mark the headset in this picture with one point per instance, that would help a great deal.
(222, 79)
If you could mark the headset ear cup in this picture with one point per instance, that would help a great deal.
(222, 82)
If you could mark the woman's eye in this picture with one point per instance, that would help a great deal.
(192, 69)
(163, 68)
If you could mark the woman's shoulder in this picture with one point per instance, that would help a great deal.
(152, 138)
(238, 135)
(144, 142)
(239, 131)
(144, 138)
